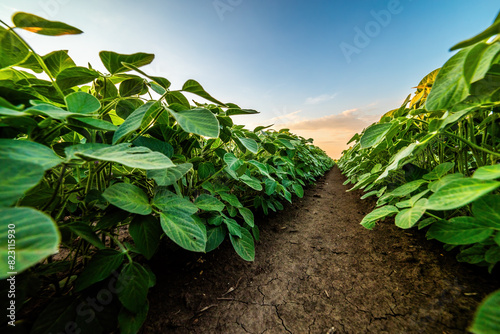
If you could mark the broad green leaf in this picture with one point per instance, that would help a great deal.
(167, 201)
(205, 170)
(479, 61)
(162, 82)
(426, 222)
(406, 189)
(12, 51)
(184, 230)
(299, 191)
(85, 232)
(43, 26)
(135, 157)
(450, 87)
(113, 61)
(407, 218)
(133, 286)
(208, 203)
(75, 76)
(232, 161)
(492, 30)
(493, 254)
(286, 143)
(374, 134)
(379, 213)
(130, 322)
(233, 227)
(460, 231)
(82, 103)
(175, 97)
(252, 182)
(459, 193)
(261, 167)
(36, 237)
(100, 266)
(54, 317)
(396, 159)
(439, 171)
(27, 151)
(194, 87)
(134, 121)
(11, 112)
(487, 172)
(436, 185)
(92, 123)
(247, 216)
(168, 176)
(249, 144)
(486, 209)
(146, 232)
(215, 236)
(244, 246)
(271, 186)
(16, 178)
(128, 197)
(131, 87)
(52, 111)
(155, 145)
(57, 61)
(238, 111)
(487, 317)
(231, 199)
(199, 121)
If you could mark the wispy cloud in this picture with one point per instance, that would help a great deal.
(320, 98)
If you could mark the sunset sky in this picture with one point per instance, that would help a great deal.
(326, 69)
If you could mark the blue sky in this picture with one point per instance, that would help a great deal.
(324, 69)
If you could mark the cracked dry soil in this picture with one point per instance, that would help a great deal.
(316, 270)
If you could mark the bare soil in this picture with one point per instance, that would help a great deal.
(317, 270)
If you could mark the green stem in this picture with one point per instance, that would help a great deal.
(477, 147)
(56, 190)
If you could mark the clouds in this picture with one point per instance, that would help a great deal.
(320, 98)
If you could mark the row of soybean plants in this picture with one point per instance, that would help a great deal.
(434, 162)
(86, 155)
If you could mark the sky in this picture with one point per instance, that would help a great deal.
(325, 69)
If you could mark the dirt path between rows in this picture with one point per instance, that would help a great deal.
(318, 271)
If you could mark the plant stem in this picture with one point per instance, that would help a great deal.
(477, 147)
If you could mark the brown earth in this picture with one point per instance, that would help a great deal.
(317, 270)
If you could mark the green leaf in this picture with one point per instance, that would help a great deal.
(233, 227)
(493, 254)
(439, 171)
(113, 61)
(396, 159)
(215, 236)
(92, 123)
(459, 193)
(487, 317)
(184, 230)
(85, 232)
(231, 199)
(232, 161)
(57, 61)
(252, 182)
(194, 87)
(131, 87)
(128, 197)
(474, 254)
(134, 120)
(82, 103)
(199, 121)
(36, 237)
(133, 286)
(479, 61)
(486, 209)
(146, 232)
(492, 30)
(155, 145)
(406, 189)
(75, 76)
(447, 179)
(55, 317)
(487, 172)
(100, 266)
(31, 152)
(450, 87)
(130, 322)
(205, 170)
(286, 143)
(208, 203)
(374, 134)
(135, 157)
(16, 178)
(12, 51)
(244, 246)
(409, 217)
(42, 26)
(460, 231)
(247, 216)
(52, 111)
(249, 144)
(379, 213)
(175, 97)
(168, 176)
